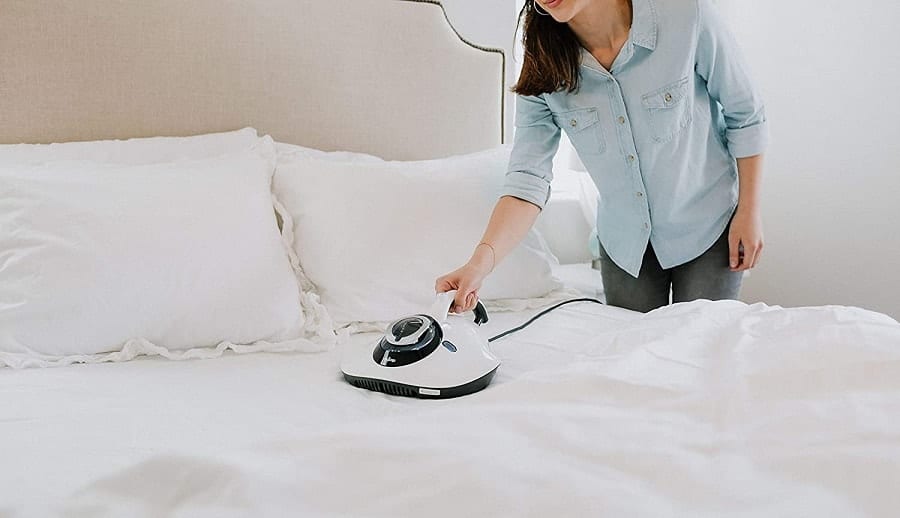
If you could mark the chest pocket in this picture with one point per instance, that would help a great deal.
(669, 110)
(583, 129)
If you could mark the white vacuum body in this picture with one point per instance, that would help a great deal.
(431, 355)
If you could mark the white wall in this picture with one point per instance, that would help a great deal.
(490, 23)
(831, 74)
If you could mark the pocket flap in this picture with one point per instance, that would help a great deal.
(667, 96)
(577, 120)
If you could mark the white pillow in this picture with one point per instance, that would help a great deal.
(374, 236)
(98, 258)
(135, 151)
(289, 152)
(569, 220)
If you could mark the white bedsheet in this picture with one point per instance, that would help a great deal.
(699, 409)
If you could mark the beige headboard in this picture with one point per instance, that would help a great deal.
(389, 77)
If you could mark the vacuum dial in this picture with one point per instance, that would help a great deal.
(408, 340)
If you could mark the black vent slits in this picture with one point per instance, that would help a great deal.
(387, 388)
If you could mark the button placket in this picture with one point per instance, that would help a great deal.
(622, 120)
(627, 138)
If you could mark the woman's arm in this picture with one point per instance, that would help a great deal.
(745, 238)
(510, 222)
(525, 192)
(721, 63)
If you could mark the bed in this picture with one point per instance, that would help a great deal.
(697, 409)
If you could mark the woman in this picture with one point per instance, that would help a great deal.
(657, 101)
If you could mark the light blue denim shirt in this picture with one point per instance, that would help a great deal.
(659, 134)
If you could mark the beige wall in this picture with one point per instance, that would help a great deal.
(490, 23)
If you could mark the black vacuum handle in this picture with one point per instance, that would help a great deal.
(481, 315)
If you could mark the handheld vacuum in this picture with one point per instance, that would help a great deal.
(431, 355)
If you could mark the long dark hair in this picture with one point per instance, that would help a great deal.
(552, 54)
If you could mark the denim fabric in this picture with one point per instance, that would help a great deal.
(705, 277)
(659, 134)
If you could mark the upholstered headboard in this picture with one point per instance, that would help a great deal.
(389, 77)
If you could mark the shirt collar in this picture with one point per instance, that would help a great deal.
(644, 28)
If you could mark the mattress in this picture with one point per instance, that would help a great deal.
(698, 409)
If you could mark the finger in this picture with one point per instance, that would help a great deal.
(734, 243)
(463, 300)
(749, 254)
(746, 258)
(470, 301)
(459, 302)
(753, 256)
(443, 284)
(467, 301)
(757, 255)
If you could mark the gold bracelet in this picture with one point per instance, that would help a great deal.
(493, 254)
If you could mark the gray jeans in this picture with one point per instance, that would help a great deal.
(706, 277)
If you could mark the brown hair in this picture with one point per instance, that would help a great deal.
(552, 54)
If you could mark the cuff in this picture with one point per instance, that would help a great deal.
(749, 141)
(528, 187)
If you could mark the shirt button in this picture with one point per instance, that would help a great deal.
(640, 194)
(668, 97)
(573, 123)
(621, 120)
(646, 226)
(631, 158)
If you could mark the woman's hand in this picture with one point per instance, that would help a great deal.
(745, 239)
(509, 223)
(466, 280)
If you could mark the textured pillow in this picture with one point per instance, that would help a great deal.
(567, 223)
(374, 235)
(144, 259)
(289, 152)
(135, 151)
(569, 219)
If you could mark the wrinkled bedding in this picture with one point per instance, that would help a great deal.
(698, 409)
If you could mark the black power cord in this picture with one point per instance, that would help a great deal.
(539, 315)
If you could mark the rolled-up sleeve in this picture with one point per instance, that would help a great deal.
(535, 143)
(721, 63)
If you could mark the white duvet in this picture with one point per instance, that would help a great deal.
(699, 409)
